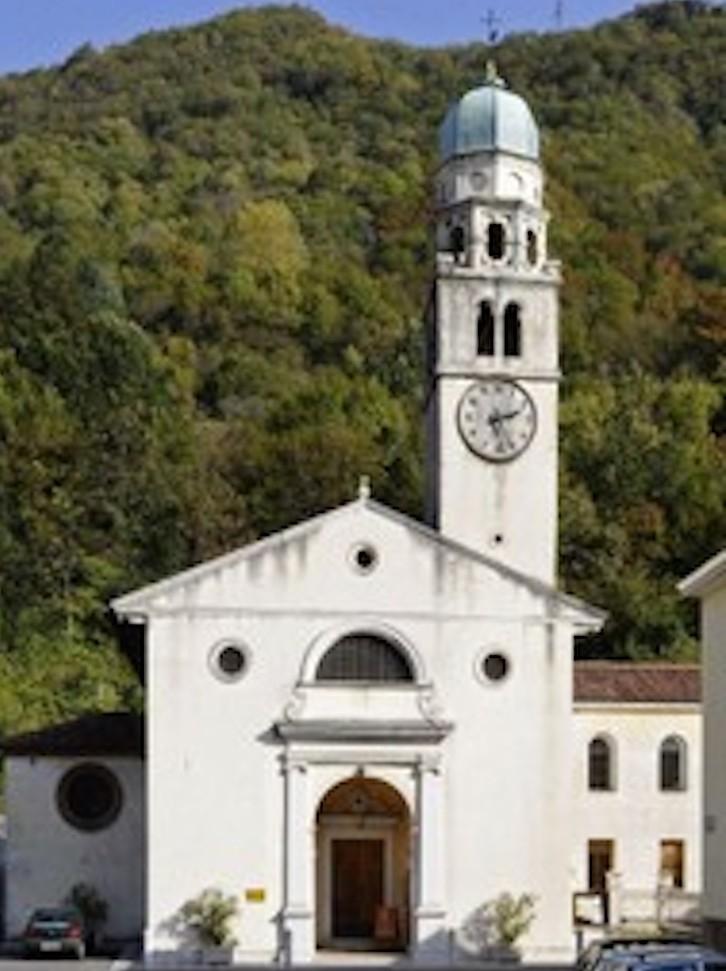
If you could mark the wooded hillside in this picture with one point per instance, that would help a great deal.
(214, 251)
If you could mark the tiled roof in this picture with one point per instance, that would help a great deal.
(115, 733)
(618, 681)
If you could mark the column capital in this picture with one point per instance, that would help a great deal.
(429, 764)
(292, 763)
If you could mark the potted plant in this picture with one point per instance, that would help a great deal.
(208, 917)
(92, 908)
(511, 918)
(492, 930)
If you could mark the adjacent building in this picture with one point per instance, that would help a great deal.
(708, 584)
(636, 814)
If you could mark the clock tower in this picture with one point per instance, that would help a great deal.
(492, 325)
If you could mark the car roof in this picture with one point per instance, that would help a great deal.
(669, 956)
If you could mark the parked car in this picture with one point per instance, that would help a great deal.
(657, 956)
(55, 930)
(629, 945)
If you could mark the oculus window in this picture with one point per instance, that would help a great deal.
(89, 797)
(364, 557)
(229, 660)
(495, 666)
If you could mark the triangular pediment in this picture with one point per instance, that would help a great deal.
(322, 564)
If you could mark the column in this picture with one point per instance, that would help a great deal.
(298, 915)
(431, 938)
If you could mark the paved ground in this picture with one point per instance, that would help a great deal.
(56, 964)
(109, 964)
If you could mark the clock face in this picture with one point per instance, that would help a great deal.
(497, 419)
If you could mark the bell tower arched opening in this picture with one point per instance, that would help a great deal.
(363, 837)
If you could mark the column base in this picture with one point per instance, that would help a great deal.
(432, 939)
(299, 933)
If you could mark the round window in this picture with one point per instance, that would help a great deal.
(89, 797)
(229, 661)
(495, 666)
(364, 557)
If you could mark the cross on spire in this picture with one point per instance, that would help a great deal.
(491, 22)
(559, 13)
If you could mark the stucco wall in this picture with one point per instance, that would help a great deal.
(46, 856)
(714, 688)
(637, 815)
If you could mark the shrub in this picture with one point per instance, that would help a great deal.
(209, 916)
(511, 917)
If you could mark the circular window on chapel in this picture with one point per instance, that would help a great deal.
(229, 660)
(364, 557)
(495, 666)
(491, 665)
(89, 797)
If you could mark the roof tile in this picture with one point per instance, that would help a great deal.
(619, 681)
(113, 733)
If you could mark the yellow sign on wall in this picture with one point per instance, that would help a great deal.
(255, 895)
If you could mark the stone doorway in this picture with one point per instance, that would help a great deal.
(363, 867)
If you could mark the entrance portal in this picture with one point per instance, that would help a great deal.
(363, 867)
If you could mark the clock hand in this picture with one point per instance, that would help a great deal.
(510, 414)
(496, 421)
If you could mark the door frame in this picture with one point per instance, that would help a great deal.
(348, 828)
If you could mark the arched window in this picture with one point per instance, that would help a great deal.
(495, 240)
(600, 767)
(673, 764)
(364, 658)
(532, 247)
(512, 331)
(457, 242)
(485, 330)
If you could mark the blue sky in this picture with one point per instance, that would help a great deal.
(36, 33)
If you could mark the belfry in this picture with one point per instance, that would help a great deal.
(493, 337)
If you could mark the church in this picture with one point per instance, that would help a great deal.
(362, 727)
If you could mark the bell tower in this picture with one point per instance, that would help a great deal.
(493, 345)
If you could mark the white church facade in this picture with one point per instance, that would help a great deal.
(364, 727)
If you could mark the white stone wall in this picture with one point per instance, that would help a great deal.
(487, 175)
(637, 815)
(46, 856)
(714, 698)
(507, 510)
(217, 780)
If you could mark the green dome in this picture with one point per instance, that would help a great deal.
(489, 119)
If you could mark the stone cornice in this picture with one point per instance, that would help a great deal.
(359, 732)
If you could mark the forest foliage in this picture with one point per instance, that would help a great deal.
(214, 253)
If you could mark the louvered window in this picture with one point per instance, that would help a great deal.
(485, 331)
(512, 331)
(364, 657)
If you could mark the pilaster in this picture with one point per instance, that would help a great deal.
(298, 911)
(431, 940)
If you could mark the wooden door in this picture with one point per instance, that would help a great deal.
(357, 886)
(671, 861)
(599, 863)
